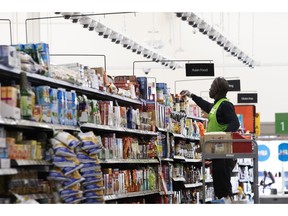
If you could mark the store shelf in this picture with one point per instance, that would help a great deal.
(190, 160)
(117, 129)
(167, 159)
(142, 132)
(187, 160)
(22, 162)
(185, 137)
(178, 157)
(9, 171)
(167, 193)
(179, 179)
(199, 184)
(162, 129)
(132, 194)
(33, 124)
(7, 71)
(209, 180)
(129, 161)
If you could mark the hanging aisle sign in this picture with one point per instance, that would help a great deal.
(247, 98)
(199, 69)
(234, 85)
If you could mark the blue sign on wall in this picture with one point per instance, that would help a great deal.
(263, 153)
(283, 152)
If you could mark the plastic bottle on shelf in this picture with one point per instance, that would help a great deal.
(27, 100)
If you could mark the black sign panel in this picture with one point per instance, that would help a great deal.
(247, 98)
(234, 85)
(197, 69)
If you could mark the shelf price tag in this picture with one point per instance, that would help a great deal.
(281, 123)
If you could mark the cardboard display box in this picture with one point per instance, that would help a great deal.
(226, 147)
(217, 147)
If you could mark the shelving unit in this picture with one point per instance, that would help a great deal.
(181, 185)
(178, 182)
(253, 155)
(43, 165)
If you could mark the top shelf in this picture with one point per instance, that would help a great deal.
(34, 124)
(39, 79)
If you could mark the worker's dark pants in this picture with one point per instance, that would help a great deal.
(221, 173)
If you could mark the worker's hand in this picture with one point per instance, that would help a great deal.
(185, 93)
(208, 162)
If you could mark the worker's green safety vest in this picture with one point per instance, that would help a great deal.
(213, 124)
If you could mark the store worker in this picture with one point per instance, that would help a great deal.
(222, 117)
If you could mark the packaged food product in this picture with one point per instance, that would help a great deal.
(69, 192)
(61, 149)
(57, 175)
(61, 161)
(67, 139)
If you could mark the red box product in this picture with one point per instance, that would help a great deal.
(242, 147)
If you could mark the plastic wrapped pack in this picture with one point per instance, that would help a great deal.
(61, 149)
(61, 161)
(68, 139)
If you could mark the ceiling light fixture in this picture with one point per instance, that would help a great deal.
(178, 14)
(100, 29)
(85, 21)
(135, 47)
(107, 33)
(75, 17)
(115, 37)
(185, 16)
(67, 15)
(92, 25)
(139, 50)
(119, 39)
(214, 35)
